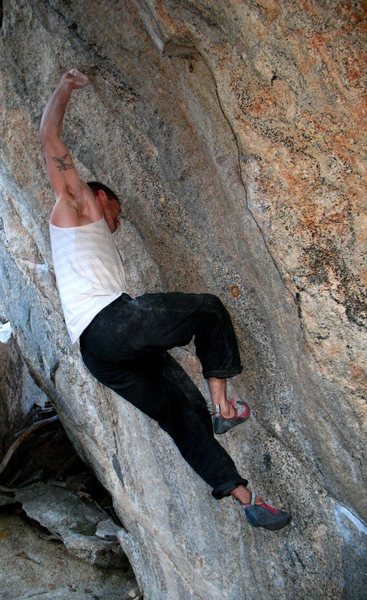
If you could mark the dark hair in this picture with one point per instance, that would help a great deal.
(96, 185)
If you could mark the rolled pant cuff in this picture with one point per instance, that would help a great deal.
(223, 373)
(225, 489)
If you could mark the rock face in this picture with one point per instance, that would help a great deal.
(232, 132)
(18, 390)
(73, 522)
(35, 567)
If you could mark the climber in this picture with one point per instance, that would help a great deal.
(124, 341)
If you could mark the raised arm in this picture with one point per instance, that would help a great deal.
(60, 165)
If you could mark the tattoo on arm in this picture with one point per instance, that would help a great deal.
(62, 165)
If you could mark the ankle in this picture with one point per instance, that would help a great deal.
(242, 494)
(225, 408)
(217, 389)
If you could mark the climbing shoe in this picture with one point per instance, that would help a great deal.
(264, 515)
(222, 425)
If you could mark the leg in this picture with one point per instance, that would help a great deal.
(155, 322)
(218, 394)
(140, 372)
(161, 389)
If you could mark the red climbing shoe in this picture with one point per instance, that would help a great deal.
(222, 425)
(264, 515)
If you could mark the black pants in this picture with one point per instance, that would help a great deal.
(125, 348)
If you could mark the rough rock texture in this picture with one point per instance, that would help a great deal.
(18, 390)
(72, 521)
(38, 568)
(233, 133)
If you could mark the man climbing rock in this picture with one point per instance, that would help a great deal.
(124, 340)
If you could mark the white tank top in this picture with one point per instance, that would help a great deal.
(89, 272)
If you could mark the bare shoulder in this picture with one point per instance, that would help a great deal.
(73, 210)
(65, 213)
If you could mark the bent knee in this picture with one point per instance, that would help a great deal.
(213, 301)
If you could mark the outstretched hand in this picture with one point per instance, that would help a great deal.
(75, 79)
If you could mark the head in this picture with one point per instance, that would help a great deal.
(109, 203)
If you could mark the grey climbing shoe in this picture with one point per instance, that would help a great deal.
(222, 425)
(264, 515)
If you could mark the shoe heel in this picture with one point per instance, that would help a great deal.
(251, 518)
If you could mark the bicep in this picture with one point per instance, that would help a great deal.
(61, 169)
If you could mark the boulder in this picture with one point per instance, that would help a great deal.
(72, 521)
(34, 567)
(232, 133)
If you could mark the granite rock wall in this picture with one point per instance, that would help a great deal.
(18, 391)
(233, 133)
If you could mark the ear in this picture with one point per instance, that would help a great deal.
(102, 197)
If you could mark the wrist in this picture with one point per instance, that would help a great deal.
(65, 86)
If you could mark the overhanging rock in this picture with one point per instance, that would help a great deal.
(231, 131)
